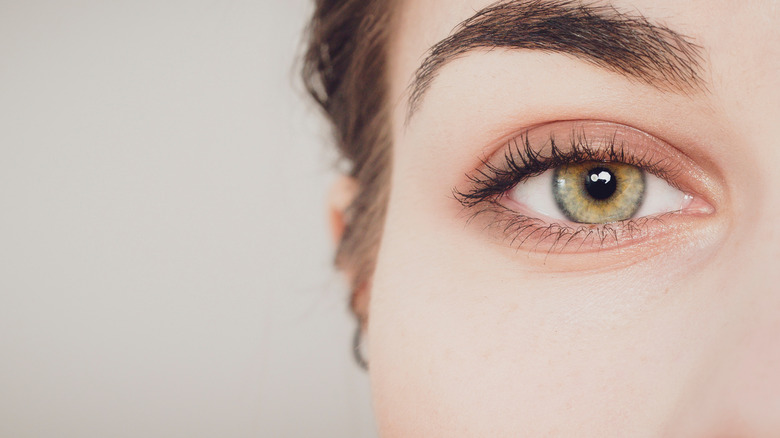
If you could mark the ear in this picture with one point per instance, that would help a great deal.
(342, 193)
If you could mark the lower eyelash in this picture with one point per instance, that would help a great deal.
(521, 230)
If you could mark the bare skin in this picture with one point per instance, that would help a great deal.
(674, 333)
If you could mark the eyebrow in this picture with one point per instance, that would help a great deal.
(601, 35)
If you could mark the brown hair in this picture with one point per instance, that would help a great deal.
(344, 71)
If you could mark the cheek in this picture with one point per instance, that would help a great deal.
(464, 338)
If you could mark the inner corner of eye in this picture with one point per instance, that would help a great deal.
(661, 197)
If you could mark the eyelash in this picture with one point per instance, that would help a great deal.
(522, 161)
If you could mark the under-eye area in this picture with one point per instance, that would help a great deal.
(576, 186)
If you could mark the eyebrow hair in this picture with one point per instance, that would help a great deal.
(601, 35)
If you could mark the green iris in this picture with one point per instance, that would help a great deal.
(598, 193)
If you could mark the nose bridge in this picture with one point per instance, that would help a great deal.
(748, 382)
(755, 237)
(756, 270)
(738, 384)
(747, 388)
(737, 390)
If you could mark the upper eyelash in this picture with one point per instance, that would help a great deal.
(523, 161)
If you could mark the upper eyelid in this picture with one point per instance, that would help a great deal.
(521, 155)
(496, 174)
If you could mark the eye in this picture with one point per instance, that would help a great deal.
(598, 193)
(587, 183)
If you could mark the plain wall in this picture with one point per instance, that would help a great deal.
(164, 256)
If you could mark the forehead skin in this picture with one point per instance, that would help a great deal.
(467, 339)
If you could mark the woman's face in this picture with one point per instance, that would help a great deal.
(519, 313)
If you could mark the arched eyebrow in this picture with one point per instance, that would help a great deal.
(601, 35)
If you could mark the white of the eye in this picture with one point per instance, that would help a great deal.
(536, 194)
(660, 197)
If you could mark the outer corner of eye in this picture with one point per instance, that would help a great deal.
(538, 195)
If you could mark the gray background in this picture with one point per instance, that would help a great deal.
(164, 257)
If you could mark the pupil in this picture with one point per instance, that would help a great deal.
(600, 183)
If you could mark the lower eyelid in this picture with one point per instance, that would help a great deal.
(524, 232)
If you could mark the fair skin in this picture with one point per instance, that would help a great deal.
(671, 333)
